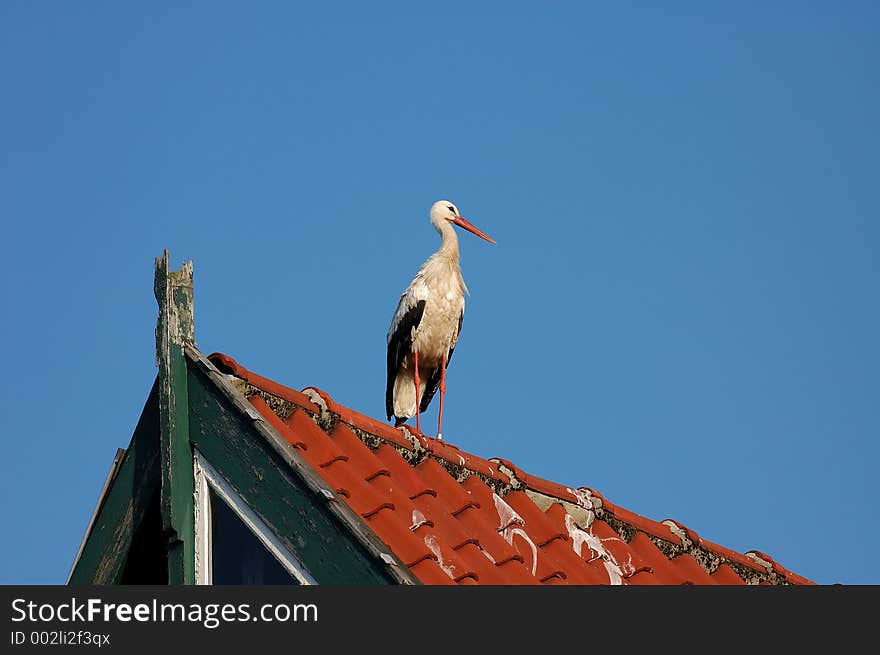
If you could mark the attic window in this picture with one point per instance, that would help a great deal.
(233, 545)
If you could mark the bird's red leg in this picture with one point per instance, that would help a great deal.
(418, 384)
(442, 393)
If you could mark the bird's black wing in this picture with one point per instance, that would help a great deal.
(434, 378)
(400, 345)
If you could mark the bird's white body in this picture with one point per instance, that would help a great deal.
(440, 284)
(427, 322)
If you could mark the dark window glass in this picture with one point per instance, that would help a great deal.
(239, 557)
(147, 562)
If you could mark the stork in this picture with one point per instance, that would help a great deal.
(426, 325)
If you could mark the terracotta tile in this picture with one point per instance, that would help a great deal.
(367, 424)
(512, 572)
(576, 569)
(473, 557)
(385, 485)
(726, 576)
(359, 454)
(363, 499)
(430, 573)
(644, 578)
(450, 531)
(794, 578)
(404, 474)
(478, 522)
(320, 450)
(541, 563)
(629, 561)
(447, 557)
(518, 473)
(456, 456)
(539, 527)
(767, 558)
(448, 490)
(397, 536)
(228, 365)
(272, 419)
(480, 492)
(693, 536)
(732, 555)
(646, 525)
(663, 571)
(323, 394)
(691, 571)
(553, 489)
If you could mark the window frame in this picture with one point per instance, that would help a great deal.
(207, 479)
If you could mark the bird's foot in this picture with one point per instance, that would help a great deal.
(439, 436)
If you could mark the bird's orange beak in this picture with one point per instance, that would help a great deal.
(458, 220)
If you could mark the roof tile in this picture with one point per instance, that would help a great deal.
(663, 572)
(282, 428)
(363, 499)
(367, 424)
(226, 364)
(691, 571)
(320, 450)
(359, 454)
(448, 490)
(408, 547)
(731, 555)
(478, 522)
(430, 573)
(725, 575)
(455, 456)
(645, 524)
(541, 529)
(552, 489)
(577, 570)
(404, 474)
(629, 561)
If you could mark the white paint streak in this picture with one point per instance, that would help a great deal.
(418, 520)
(512, 532)
(597, 549)
(506, 514)
(507, 518)
(434, 547)
(583, 498)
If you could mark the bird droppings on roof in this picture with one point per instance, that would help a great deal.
(452, 517)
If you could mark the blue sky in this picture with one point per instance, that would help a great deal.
(681, 311)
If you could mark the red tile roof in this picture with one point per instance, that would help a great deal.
(455, 518)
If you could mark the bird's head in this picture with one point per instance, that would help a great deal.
(443, 212)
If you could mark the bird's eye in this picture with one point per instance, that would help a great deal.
(452, 209)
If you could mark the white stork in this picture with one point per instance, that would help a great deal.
(426, 324)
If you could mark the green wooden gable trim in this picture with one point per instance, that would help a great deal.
(107, 544)
(312, 522)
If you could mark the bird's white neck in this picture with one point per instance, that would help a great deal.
(449, 247)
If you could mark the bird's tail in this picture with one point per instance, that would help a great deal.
(404, 398)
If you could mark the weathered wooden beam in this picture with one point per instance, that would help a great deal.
(175, 329)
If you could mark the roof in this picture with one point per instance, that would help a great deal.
(454, 518)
